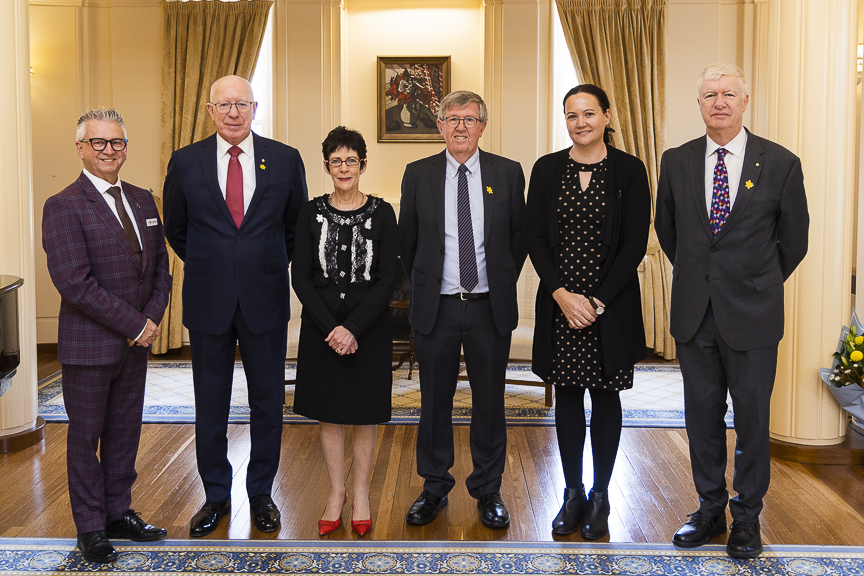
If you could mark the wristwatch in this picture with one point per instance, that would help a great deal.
(597, 308)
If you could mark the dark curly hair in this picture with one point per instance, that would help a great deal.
(342, 137)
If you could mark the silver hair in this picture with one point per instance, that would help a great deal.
(249, 84)
(461, 98)
(100, 114)
(718, 69)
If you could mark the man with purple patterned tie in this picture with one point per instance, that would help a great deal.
(462, 244)
(107, 257)
(231, 204)
(732, 218)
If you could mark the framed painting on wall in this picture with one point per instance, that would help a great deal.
(410, 89)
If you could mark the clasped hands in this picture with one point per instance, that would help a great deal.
(342, 341)
(150, 334)
(576, 308)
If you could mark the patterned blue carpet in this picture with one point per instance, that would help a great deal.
(655, 401)
(42, 556)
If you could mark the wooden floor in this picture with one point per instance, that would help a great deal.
(651, 491)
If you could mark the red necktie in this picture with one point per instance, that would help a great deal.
(234, 186)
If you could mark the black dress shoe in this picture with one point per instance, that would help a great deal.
(567, 520)
(595, 521)
(699, 529)
(425, 508)
(744, 540)
(95, 547)
(493, 512)
(131, 527)
(265, 515)
(207, 518)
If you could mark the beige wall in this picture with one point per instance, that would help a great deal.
(700, 32)
(453, 28)
(86, 56)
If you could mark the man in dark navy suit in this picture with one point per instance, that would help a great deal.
(107, 258)
(231, 202)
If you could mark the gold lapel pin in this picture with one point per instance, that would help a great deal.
(749, 184)
(489, 189)
(757, 164)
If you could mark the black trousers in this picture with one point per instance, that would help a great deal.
(710, 368)
(469, 325)
(263, 358)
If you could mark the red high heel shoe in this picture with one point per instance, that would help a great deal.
(327, 526)
(361, 527)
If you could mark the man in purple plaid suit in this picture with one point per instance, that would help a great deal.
(108, 259)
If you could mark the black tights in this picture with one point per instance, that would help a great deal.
(571, 428)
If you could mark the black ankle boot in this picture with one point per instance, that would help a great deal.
(567, 520)
(595, 521)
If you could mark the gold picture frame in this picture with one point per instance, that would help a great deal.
(409, 90)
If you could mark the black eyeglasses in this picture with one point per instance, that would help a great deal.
(99, 144)
(241, 106)
(453, 122)
(336, 162)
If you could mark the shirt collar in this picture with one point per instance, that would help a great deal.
(473, 164)
(222, 146)
(101, 185)
(735, 146)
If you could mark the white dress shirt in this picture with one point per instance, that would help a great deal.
(734, 160)
(247, 163)
(102, 186)
(450, 283)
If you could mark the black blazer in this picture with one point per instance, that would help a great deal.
(224, 265)
(421, 236)
(624, 237)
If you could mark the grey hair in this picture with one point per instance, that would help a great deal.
(718, 69)
(100, 114)
(461, 98)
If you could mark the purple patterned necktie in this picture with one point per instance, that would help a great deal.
(467, 257)
(720, 197)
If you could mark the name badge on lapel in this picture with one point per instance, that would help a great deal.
(152, 222)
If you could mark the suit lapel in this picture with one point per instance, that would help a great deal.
(101, 209)
(211, 170)
(261, 159)
(487, 173)
(698, 148)
(750, 170)
(438, 177)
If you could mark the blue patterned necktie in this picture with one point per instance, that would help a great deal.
(720, 196)
(467, 257)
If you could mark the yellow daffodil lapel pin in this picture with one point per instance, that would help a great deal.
(489, 189)
(749, 184)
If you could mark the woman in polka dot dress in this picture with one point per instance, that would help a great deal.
(589, 210)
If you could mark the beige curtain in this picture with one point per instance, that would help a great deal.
(202, 41)
(620, 45)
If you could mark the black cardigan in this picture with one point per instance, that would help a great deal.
(624, 238)
(369, 300)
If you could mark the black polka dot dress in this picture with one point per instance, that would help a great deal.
(577, 357)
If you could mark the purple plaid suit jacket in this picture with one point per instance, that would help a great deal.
(107, 295)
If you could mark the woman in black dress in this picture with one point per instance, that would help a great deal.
(344, 272)
(589, 210)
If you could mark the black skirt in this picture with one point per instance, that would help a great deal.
(351, 389)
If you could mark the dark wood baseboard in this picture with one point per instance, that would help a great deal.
(46, 348)
(847, 453)
(25, 439)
